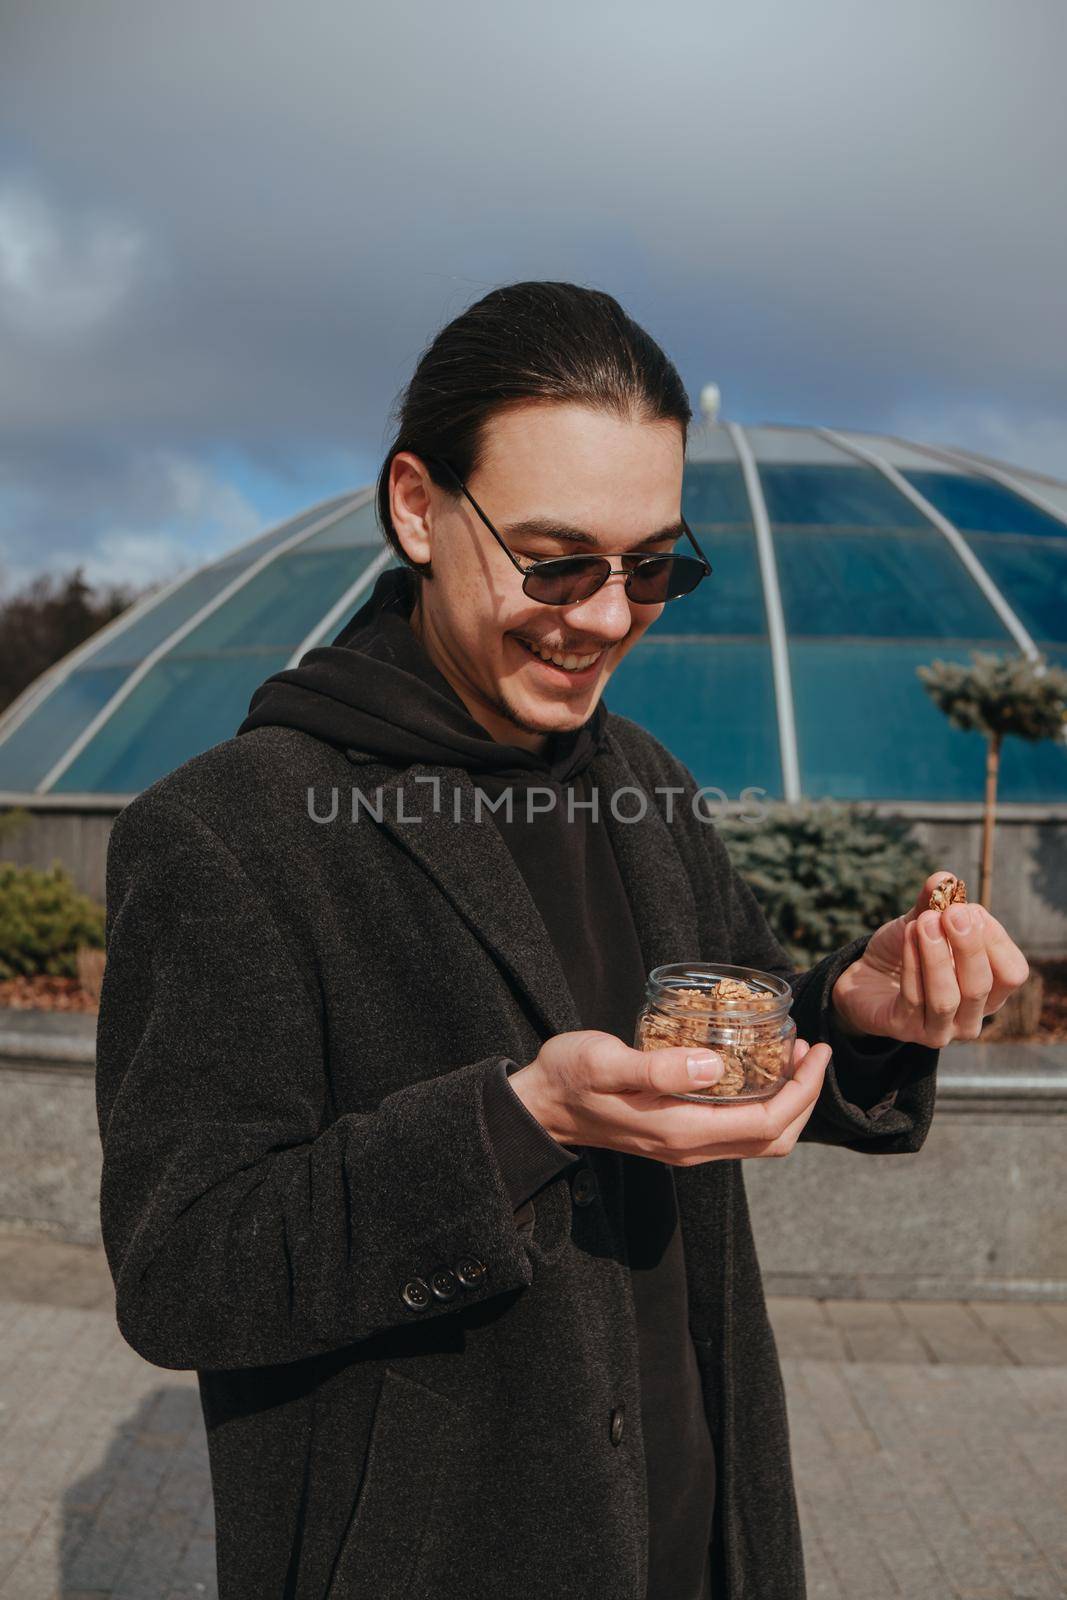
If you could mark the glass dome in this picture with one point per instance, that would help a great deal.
(842, 561)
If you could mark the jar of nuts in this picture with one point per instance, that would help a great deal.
(740, 1013)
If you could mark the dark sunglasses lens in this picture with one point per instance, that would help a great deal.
(567, 579)
(660, 578)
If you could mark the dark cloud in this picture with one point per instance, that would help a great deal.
(237, 226)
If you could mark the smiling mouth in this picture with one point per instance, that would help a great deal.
(573, 662)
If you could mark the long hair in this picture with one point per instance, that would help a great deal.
(525, 341)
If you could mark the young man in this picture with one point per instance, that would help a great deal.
(471, 1294)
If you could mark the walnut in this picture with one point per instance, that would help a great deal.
(949, 892)
(751, 1050)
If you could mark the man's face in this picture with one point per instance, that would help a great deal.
(615, 482)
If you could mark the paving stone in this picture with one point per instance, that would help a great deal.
(929, 1443)
(1030, 1335)
(802, 1328)
(874, 1330)
(35, 1269)
(952, 1333)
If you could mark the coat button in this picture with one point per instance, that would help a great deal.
(618, 1422)
(415, 1294)
(443, 1283)
(583, 1187)
(470, 1271)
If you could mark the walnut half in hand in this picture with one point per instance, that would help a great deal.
(949, 892)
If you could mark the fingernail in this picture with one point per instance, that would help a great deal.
(959, 918)
(705, 1067)
(932, 930)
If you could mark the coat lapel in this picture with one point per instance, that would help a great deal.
(473, 867)
(653, 873)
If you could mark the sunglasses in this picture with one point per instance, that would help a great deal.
(567, 580)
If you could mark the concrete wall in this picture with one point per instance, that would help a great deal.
(1029, 870)
(1029, 867)
(49, 1140)
(76, 838)
(979, 1213)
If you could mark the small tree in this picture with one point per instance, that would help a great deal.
(998, 696)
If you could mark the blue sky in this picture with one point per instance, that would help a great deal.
(227, 231)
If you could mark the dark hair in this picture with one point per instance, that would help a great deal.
(521, 342)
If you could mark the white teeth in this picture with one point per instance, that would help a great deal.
(570, 663)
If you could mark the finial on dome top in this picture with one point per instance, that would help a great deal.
(710, 400)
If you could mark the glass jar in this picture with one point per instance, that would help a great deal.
(740, 1013)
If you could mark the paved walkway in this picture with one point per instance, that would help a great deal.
(930, 1446)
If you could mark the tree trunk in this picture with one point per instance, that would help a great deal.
(992, 768)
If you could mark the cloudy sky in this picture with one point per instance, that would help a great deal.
(227, 231)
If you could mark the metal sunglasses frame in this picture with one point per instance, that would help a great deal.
(550, 561)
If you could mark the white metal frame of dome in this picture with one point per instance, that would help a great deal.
(164, 647)
(764, 535)
(36, 693)
(949, 530)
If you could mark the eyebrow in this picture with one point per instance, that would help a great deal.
(545, 528)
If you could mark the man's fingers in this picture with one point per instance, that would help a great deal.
(786, 1141)
(939, 981)
(766, 1120)
(672, 1069)
(1009, 966)
(911, 983)
(663, 1124)
(974, 974)
(777, 1127)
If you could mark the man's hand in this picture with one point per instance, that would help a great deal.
(589, 1088)
(929, 977)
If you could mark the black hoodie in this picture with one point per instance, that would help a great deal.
(397, 705)
(375, 690)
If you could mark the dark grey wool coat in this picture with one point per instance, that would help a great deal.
(296, 1024)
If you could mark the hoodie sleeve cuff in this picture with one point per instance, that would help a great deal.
(525, 1151)
(869, 1069)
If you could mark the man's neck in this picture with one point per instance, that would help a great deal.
(499, 728)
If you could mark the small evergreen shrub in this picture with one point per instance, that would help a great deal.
(44, 920)
(826, 872)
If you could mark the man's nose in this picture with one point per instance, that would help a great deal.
(608, 613)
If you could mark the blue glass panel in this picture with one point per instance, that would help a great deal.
(357, 528)
(1034, 772)
(137, 640)
(1032, 578)
(338, 627)
(177, 710)
(844, 497)
(142, 637)
(880, 585)
(712, 705)
(714, 491)
(275, 536)
(981, 506)
(34, 747)
(867, 730)
(280, 605)
(729, 601)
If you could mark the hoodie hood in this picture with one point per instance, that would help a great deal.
(375, 690)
